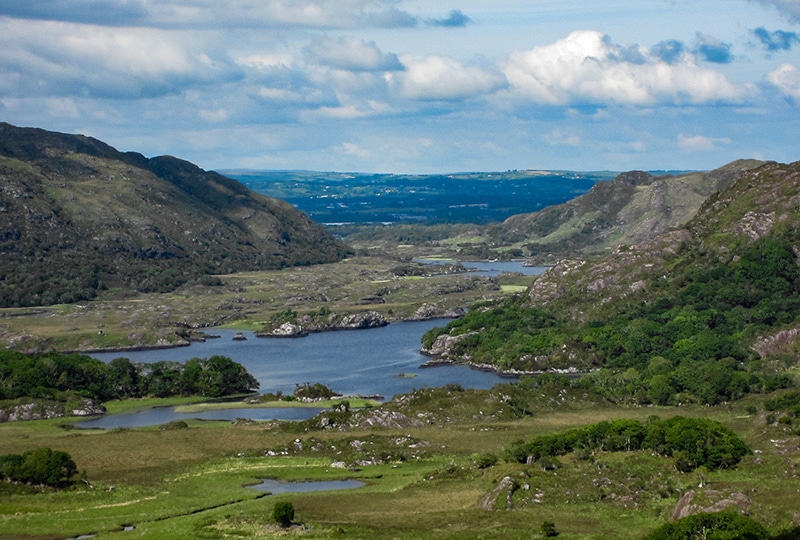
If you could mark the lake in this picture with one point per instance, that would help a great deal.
(379, 361)
(491, 268)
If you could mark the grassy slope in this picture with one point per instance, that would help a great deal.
(189, 483)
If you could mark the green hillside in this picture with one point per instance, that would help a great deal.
(632, 208)
(705, 313)
(78, 217)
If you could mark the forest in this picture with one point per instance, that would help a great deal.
(59, 376)
(689, 342)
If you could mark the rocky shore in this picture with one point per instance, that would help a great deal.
(47, 409)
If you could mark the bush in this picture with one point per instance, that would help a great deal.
(692, 442)
(283, 513)
(721, 525)
(42, 466)
(548, 529)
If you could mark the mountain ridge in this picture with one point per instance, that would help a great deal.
(629, 209)
(78, 216)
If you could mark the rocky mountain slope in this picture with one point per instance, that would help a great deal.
(757, 203)
(78, 216)
(716, 298)
(630, 209)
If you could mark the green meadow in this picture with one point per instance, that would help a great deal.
(437, 481)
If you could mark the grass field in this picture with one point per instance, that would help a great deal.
(423, 482)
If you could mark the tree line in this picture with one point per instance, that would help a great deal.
(43, 466)
(691, 442)
(57, 375)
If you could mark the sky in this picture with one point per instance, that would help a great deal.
(412, 86)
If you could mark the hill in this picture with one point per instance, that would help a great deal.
(79, 216)
(708, 312)
(631, 208)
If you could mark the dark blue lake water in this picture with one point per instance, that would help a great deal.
(381, 361)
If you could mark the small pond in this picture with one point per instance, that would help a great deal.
(276, 486)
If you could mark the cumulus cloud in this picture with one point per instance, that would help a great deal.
(670, 51)
(713, 50)
(283, 86)
(791, 8)
(53, 58)
(443, 78)
(587, 67)
(700, 143)
(778, 40)
(456, 19)
(787, 79)
(352, 54)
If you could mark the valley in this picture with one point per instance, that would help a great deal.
(672, 301)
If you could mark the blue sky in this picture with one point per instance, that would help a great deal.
(412, 86)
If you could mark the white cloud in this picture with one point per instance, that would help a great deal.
(352, 54)
(586, 67)
(787, 79)
(699, 143)
(50, 58)
(790, 7)
(353, 149)
(214, 116)
(443, 78)
(560, 137)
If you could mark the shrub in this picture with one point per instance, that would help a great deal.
(283, 513)
(721, 525)
(548, 529)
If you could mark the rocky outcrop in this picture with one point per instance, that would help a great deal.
(709, 501)
(427, 312)
(443, 345)
(501, 497)
(382, 418)
(45, 410)
(306, 324)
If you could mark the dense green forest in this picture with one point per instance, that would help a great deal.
(689, 342)
(58, 376)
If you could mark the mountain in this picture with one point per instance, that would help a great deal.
(78, 216)
(629, 209)
(707, 312)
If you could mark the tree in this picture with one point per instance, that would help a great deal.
(283, 513)
(42, 466)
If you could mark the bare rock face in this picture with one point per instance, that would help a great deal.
(288, 329)
(305, 325)
(442, 345)
(709, 501)
(501, 496)
(89, 408)
(370, 319)
(43, 410)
